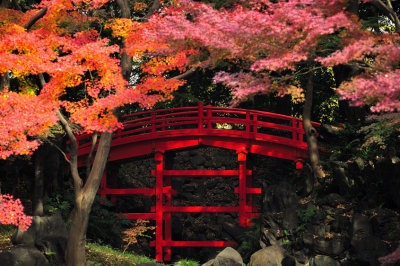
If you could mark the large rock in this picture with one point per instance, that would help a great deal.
(228, 257)
(321, 260)
(269, 256)
(368, 248)
(48, 234)
(22, 256)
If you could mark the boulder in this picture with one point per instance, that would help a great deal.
(22, 256)
(228, 257)
(48, 234)
(269, 256)
(322, 260)
(368, 248)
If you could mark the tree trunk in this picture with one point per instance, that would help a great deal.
(84, 197)
(310, 131)
(4, 81)
(39, 184)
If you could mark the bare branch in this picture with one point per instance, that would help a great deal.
(35, 18)
(60, 150)
(90, 156)
(186, 74)
(389, 12)
(125, 8)
(73, 153)
(154, 7)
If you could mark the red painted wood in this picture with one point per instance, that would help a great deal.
(129, 191)
(197, 243)
(242, 188)
(200, 209)
(159, 158)
(140, 216)
(200, 173)
(157, 131)
(166, 124)
(168, 221)
(249, 190)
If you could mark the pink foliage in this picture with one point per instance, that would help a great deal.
(276, 36)
(391, 258)
(12, 212)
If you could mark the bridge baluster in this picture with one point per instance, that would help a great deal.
(242, 187)
(159, 158)
(295, 131)
(248, 123)
(255, 128)
(201, 115)
(209, 116)
(153, 121)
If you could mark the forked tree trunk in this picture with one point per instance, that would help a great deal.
(84, 197)
(310, 131)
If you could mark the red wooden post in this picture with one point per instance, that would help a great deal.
(255, 119)
(248, 123)
(201, 115)
(159, 158)
(295, 129)
(299, 165)
(301, 135)
(153, 121)
(249, 184)
(209, 116)
(167, 215)
(242, 187)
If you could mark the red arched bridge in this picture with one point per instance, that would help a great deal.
(154, 132)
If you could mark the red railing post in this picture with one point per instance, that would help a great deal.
(200, 115)
(248, 123)
(209, 116)
(255, 128)
(295, 129)
(159, 158)
(242, 187)
(153, 121)
(300, 128)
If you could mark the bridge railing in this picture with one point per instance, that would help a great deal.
(208, 120)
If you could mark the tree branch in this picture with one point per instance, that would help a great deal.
(35, 18)
(154, 7)
(90, 156)
(126, 61)
(60, 150)
(73, 153)
(186, 74)
(310, 131)
(388, 11)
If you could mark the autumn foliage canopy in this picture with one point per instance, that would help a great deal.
(80, 74)
(74, 59)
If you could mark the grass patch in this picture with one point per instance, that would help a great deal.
(186, 263)
(98, 255)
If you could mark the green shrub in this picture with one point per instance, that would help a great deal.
(105, 225)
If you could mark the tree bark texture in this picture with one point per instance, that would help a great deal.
(310, 131)
(39, 183)
(84, 197)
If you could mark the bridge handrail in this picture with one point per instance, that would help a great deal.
(206, 119)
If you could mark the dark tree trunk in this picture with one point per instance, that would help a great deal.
(310, 131)
(39, 182)
(84, 197)
(4, 81)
